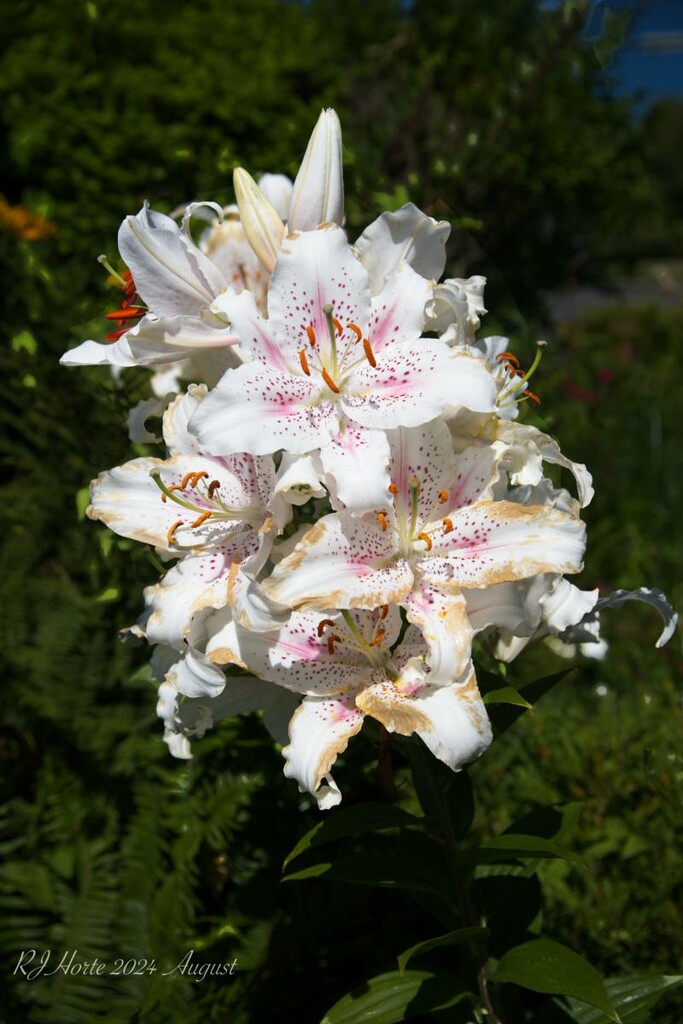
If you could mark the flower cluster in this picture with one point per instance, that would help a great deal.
(348, 498)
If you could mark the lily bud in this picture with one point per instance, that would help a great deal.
(318, 194)
(260, 220)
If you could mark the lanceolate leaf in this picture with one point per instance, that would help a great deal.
(384, 872)
(545, 966)
(507, 695)
(393, 997)
(503, 716)
(455, 938)
(506, 846)
(633, 997)
(352, 821)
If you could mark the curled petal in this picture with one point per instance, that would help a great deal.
(319, 731)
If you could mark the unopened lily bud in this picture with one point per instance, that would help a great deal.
(318, 194)
(260, 220)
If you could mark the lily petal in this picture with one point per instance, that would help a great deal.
(319, 731)
(356, 469)
(446, 628)
(405, 236)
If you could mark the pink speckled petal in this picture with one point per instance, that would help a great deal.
(260, 410)
(500, 541)
(447, 630)
(398, 312)
(356, 469)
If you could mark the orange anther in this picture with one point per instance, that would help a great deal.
(426, 539)
(170, 536)
(173, 487)
(126, 314)
(304, 363)
(356, 330)
(369, 354)
(331, 641)
(382, 520)
(378, 639)
(508, 357)
(323, 624)
(185, 482)
(213, 487)
(443, 497)
(202, 519)
(393, 489)
(447, 525)
(330, 383)
(384, 611)
(337, 326)
(311, 335)
(533, 396)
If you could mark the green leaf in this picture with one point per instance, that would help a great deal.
(383, 872)
(545, 966)
(509, 845)
(393, 997)
(633, 995)
(505, 715)
(453, 938)
(352, 821)
(507, 695)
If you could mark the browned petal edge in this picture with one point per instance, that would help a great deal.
(331, 752)
(397, 714)
(226, 656)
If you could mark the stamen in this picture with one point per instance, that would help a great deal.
(447, 525)
(443, 497)
(370, 355)
(185, 482)
(532, 396)
(323, 624)
(310, 331)
(330, 383)
(167, 492)
(170, 536)
(393, 489)
(331, 640)
(384, 611)
(382, 520)
(202, 519)
(304, 363)
(107, 266)
(378, 639)
(356, 330)
(338, 326)
(115, 335)
(508, 357)
(126, 314)
(426, 539)
(213, 487)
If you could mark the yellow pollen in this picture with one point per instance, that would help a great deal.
(323, 624)
(202, 519)
(369, 354)
(447, 525)
(311, 335)
(382, 520)
(304, 363)
(213, 487)
(426, 539)
(393, 489)
(443, 497)
(330, 383)
(170, 536)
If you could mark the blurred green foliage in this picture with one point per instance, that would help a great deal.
(494, 116)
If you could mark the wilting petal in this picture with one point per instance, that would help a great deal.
(547, 448)
(341, 562)
(318, 193)
(356, 468)
(319, 731)
(145, 409)
(404, 236)
(260, 220)
(497, 542)
(195, 676)
(565, 605)
(259, 410)
(172, 276)
(456, 308)
(315, 270)
(447, 630)
(588, 629)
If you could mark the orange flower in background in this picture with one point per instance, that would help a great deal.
(23, 223)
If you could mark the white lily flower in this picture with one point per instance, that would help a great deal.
(345, 667)
(263, 226)
(403, 236)
(329, 355)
